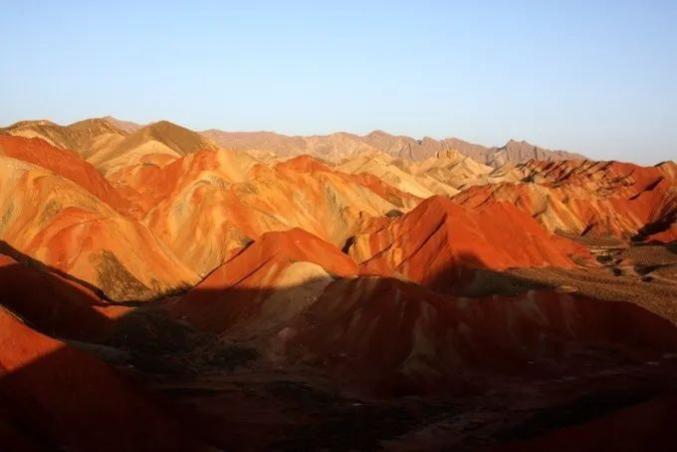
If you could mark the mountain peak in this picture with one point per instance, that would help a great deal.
(126, 126)
(515, 142)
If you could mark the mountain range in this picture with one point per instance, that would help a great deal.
(162, 288)
(79, 136)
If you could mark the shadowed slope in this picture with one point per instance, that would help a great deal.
(267, 284)
(399, 337)
(297, 299)
(388, 337)
(67, 398)
(51, 302)
(646, 426)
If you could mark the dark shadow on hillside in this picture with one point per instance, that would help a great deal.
(656, 227)
(68, 397)
(25, 259)
(54, 395)
(471, 277)
(52, 304)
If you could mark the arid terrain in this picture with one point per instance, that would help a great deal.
(169, 289)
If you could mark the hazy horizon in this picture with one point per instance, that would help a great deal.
(389, 132)
(587, 78)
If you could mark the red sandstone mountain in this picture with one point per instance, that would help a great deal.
(64, 163)
(208, 204)
(300, 297)
(595, 198)
(86, 137)
(59, 210)
(388, 170)
(437, 243)
(108, 143)
(268, 283)
(155, 142)
(342, 275)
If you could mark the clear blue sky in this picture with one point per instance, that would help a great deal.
(595, 77)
